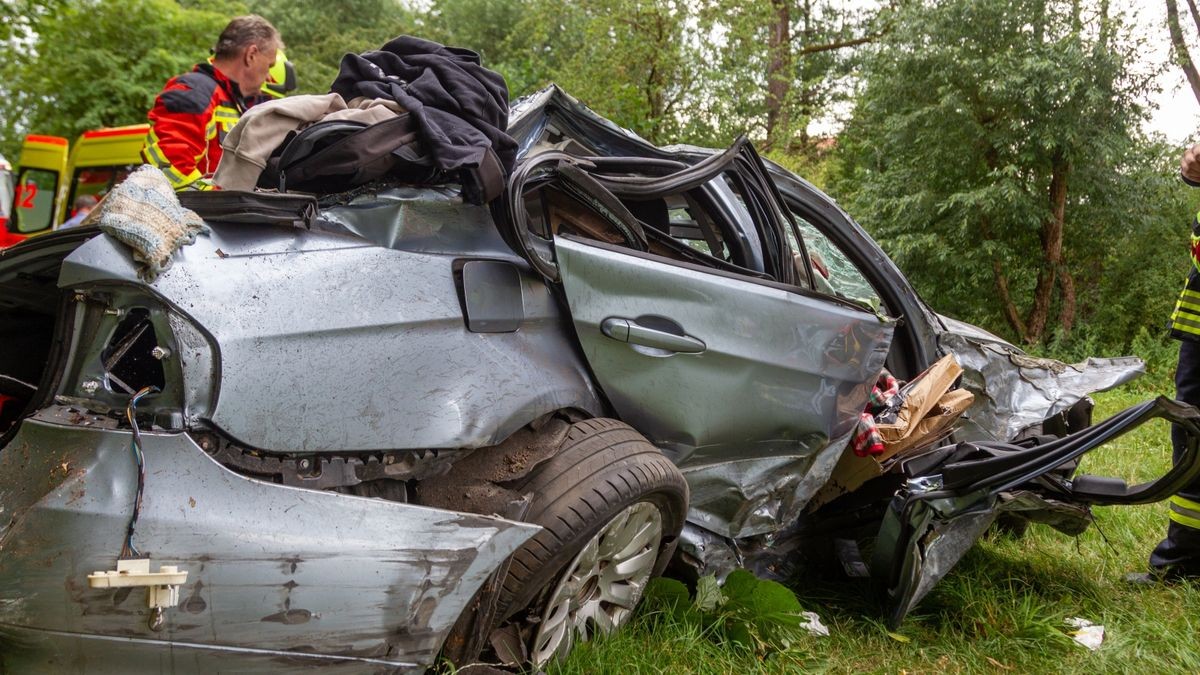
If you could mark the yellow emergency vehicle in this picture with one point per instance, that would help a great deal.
(52, 175)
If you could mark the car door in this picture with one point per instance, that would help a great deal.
(714, 366)
(717, 364)
(951, 495)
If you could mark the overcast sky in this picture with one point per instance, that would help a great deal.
(1178, 116)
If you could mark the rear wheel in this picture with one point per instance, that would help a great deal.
(612, 507)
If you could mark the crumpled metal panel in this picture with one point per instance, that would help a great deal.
(747, 497)
(707, 552)
(326, 343)
(277, 576)
(932, 553)
(1014, 391)
(422, 219)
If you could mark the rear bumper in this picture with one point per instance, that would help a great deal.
(276, 575)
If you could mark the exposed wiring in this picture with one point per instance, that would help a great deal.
(135, 444)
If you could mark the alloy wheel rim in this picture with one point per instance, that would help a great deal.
(602, 584)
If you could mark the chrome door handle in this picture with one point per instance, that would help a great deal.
(629, 330)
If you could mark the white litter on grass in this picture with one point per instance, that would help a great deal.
(812, 623)
(1086, 633)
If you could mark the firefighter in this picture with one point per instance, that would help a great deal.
(1177, 556)
(195, 110)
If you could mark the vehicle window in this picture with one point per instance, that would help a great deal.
(97, 180)
(682, 226)
(833, 272)
(34, 201)
(716, 213)
(759, 218)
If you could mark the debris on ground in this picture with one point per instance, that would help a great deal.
(1086, 633)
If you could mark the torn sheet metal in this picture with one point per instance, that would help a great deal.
(769, 556)
(708, 553)
(749, 497)
(277, 576)
(916, 549)
(937, 517)
(1014, 391)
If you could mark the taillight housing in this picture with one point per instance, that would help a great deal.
(125, 340)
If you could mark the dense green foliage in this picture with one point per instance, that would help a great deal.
(1002, 165)
(994, 149)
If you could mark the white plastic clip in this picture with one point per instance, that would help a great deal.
(162, 587)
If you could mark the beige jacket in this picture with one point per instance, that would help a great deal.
(262, 128)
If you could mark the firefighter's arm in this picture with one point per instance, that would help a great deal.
(178, 135)
(1189, 166)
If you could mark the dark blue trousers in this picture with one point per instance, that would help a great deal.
(1179, 552)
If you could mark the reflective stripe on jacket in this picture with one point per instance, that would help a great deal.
(189, 119)
(1185, 320)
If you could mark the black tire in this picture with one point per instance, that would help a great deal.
(603, 466)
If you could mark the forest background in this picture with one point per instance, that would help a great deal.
(996, 150)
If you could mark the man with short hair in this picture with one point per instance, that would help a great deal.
(195, 110)
(83, 206)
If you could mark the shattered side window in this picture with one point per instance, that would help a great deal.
(833, 272)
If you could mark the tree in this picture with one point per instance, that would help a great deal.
(783, 64)
(73, 66)
(498, 30)
(318, 33)
(638, 62)
(983, 134)
(1182, 57)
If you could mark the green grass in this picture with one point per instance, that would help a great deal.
(1001, 610)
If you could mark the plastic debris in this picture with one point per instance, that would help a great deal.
(812, 623)
(1086, 633)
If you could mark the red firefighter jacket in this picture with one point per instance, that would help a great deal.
(190, 117)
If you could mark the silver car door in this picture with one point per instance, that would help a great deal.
(714, 365)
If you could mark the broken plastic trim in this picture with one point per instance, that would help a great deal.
(936, 518)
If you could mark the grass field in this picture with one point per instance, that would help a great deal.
(1002, 609)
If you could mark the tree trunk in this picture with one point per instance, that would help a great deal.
(1066, 283)
(1052, 238)
(779, 72)
(1010, 310)
(1007, 307)
(1181, 51)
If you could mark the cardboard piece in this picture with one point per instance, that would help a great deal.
(848, 475)
(920, 395)
(929, 410)
(932, 426)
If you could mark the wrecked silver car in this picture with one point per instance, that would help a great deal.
(362, 430)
